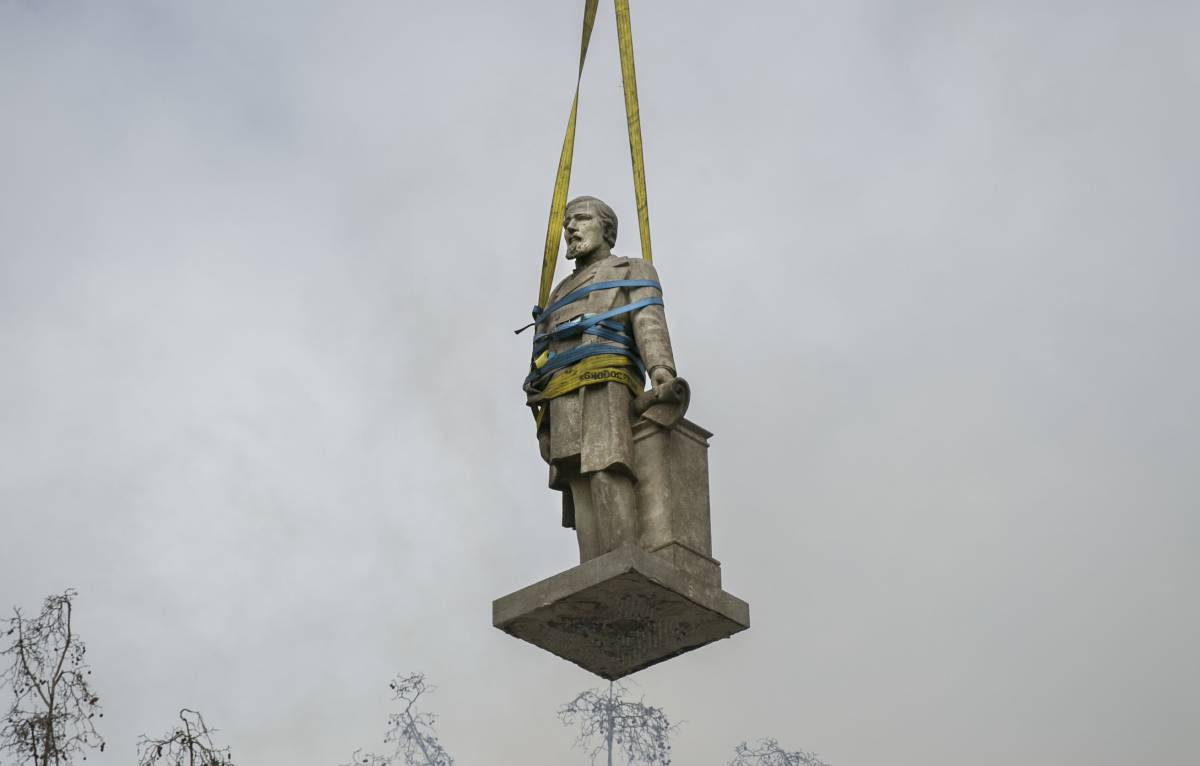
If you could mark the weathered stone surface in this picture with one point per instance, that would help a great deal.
(621, 612)
(671, 464)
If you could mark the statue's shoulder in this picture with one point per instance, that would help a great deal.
(615, 267)
(616, 262)
(640, 269)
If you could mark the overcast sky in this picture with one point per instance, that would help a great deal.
(930, 267)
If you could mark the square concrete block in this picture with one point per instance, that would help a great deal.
(621, 612)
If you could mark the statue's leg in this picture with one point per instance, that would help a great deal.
(587, 529)
(614, 505)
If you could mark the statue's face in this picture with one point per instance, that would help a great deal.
(584, 231)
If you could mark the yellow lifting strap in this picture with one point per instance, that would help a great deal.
(562, 181)
(633, 117)
(602, 368)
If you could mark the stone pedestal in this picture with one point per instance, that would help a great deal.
(620, 612)
(672, 495)
(645, 603)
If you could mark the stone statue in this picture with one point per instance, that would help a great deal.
(633, 472)
(586, 435)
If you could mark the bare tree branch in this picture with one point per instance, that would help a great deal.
(52, 715)
(359, 758)
(188, 744)
(767, 752)
(411, 730)
(609, 723)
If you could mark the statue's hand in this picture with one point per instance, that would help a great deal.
(661, 375)
(667, 402)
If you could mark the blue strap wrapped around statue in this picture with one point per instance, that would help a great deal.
(574, 295)
(621, 343)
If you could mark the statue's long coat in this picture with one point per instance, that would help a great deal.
(590, 429)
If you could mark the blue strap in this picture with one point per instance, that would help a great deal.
(544, 314)
(614, 335)
(617, 335)
(578, 327)
(621, 339)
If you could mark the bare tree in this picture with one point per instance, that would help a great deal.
(51, 719)
(188, 744)
(767, 752)
(360, 758)
(410, 729)
(608, 723)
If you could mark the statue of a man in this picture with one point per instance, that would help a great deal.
(603, 327)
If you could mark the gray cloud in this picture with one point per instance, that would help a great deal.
(930, 269)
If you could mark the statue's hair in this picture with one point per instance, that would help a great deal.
(608, 219)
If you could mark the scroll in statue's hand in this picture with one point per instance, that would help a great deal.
(665, 403)
(660, 376)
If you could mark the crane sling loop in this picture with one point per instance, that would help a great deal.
(551, 376)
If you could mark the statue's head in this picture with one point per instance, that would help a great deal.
(589, 225)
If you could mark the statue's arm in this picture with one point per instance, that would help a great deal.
(650, 327)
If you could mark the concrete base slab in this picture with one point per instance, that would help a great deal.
(620, 612)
